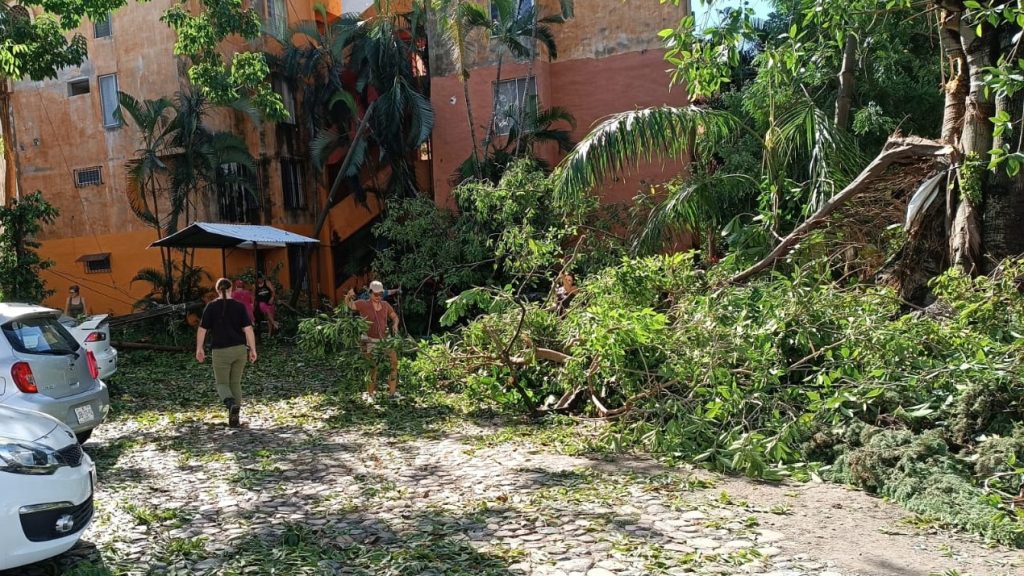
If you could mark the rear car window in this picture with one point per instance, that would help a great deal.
(39, 335)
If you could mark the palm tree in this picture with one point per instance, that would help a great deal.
(522, 140)
(153, 118)
(801, 145)
(457, 19)
(179, 162)
(516, 30)
(355, 69)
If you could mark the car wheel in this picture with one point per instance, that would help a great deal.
(83, 436)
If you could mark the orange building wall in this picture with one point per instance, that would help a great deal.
(58, 133)
(609, 60)
(591, 89)
(595, 89)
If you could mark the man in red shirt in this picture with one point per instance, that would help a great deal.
(377, 312)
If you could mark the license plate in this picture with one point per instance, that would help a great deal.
(84, 414)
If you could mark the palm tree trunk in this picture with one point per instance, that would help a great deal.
(11, 174)
(976, 142)
(847, 82)
(326, 208)
(494, 102)
(472, 126)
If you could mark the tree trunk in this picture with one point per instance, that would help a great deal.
(894, 152)
(322, 217)
(472, 127)
(9, 142)
(956, 86)
(494, 102)
(1002, 214)
(976, 142)
(847, 82)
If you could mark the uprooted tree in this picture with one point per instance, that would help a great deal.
(968, 208)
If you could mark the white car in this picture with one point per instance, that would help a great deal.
(94, 334)
(46, 486)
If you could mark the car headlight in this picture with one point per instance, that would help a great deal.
(24, 457)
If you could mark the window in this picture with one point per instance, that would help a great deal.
(78, 87)
(282, 88)
(96, 263)
(276, 18)
(92, 176)
(509, 98)
(108, 100)
(524, 8)
(40, 335)
(236, 199)
(291, 184)
(101, 28)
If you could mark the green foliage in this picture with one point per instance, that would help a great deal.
(788, 376)
(379, 52)
(332, 335)
(20, 265)
(199, 37)
(501, 232)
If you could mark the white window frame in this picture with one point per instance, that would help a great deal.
(113, 122)
(276, 17)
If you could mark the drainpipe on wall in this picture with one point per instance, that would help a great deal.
(12, 176)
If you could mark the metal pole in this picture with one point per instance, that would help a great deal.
(224, 261)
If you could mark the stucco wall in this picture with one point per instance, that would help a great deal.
(598, 28)
(58, 133)
(591, 89)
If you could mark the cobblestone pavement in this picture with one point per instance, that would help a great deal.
(188, 496)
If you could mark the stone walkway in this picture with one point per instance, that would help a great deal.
(191, 497)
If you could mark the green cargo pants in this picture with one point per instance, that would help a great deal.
(228, 364)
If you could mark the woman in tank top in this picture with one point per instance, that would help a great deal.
(75, 304)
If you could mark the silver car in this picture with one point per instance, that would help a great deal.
(44, 368)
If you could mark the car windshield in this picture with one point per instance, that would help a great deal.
(39, 335)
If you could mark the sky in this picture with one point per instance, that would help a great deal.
(700, 9)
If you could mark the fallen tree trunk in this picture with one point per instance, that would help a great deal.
(896, 150)
(148, 346)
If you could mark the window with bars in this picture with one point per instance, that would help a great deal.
(237, 200)
(109, 100)
(101, 28)
(96, 263)
(91, 176)
(291, 184)
(510, 96)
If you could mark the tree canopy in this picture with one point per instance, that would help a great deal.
(38, 46)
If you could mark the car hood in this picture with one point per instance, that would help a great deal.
(33, 426)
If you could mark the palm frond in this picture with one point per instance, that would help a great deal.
(624, 139)
(703, 202)
(322, 145)
(807, 136)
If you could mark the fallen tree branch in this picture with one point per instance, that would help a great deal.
(148, 346)
(896, 150)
